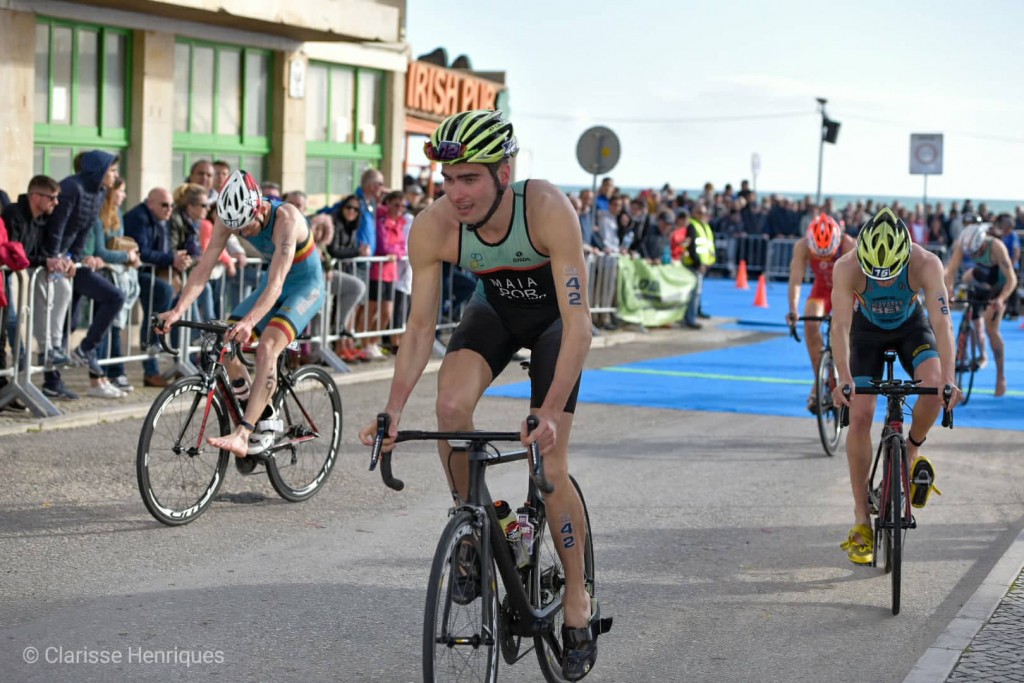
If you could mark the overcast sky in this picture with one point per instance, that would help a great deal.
(693, 89)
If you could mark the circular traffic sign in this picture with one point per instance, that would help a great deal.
(926, 153)
(598, 150)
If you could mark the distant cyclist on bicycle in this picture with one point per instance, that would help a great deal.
(993, 270)
(875, 307)
(283, 303)
(522, 240)
(825, 243)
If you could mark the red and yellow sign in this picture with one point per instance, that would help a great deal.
(438, 92)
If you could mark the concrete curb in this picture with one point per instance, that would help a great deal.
(938, 661)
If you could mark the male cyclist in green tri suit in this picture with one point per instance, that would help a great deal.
(875, 307)
(523, 242)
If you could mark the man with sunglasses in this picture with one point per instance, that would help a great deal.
(148, 224)
(26, 223)
(523, 241)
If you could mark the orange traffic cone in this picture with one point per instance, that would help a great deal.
(741, 276)
(761, 297)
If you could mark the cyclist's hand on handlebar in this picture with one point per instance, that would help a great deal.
(545, 435)
(955, 396)
(241, 331)
(791, 319)
(368, 434)
(839, 396)
(165, 320)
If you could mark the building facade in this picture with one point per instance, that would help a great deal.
(305, 94)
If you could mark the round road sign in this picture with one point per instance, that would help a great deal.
(598, 150)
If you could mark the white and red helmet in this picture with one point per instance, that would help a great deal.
(239, 200)
(824, 236)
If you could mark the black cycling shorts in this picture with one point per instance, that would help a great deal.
(913, 341)
(483, 331)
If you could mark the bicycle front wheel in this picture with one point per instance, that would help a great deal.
(178, 472)
(898, 500)
(310, 406)
(966, 356)
(549, 585)
(829, 428)
(460, 622)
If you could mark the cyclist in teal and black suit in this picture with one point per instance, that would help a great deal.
(285, 300)
(875, 307)
(992, 269)
(523, 242)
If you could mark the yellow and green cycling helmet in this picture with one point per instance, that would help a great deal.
(883, 246)
(479, 136)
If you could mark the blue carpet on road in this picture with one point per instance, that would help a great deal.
(772, 377)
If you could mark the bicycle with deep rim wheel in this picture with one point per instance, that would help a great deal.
(179, 473)
(464, 631)
(830, 429)
(889, 500)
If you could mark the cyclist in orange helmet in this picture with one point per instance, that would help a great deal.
(825, 243)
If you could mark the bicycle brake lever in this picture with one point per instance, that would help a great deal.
(383, 423)
(947, 413)
(844, 411)
(537, 471)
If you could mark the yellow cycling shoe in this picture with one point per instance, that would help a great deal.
(860, 553)
(922, 481)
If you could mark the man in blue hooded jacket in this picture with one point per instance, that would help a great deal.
(81, 197)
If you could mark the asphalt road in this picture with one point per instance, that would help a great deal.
(717, 540)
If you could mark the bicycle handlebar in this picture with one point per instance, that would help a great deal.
(899, 388)
(384, 457)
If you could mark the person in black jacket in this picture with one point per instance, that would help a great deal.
(348, 289)
(81, 196)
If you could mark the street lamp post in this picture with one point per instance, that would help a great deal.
(821, 144)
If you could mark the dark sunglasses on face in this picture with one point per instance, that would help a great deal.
(51, 197)
(165, 205)
(350, 207)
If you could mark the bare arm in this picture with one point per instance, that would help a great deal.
(1001, 257)
(797, 267)
(953, 265)
(418, 340)
(843, 282)
(559, 236)
(200, 275)
(936, 300)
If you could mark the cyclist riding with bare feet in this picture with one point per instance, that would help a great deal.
(283, 303)
(875, 307)
(523, 241)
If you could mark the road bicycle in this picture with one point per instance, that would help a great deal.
(829, 428)
(889, 499)
(969, 349)
(179, 473)
(464, 633)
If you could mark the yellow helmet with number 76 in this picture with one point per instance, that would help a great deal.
(883, 246)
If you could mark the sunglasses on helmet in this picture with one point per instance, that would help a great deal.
(446, 150)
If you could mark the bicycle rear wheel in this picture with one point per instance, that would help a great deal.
(460, 622)
(310, 406)
(829, 428)
(966, 356)
(178, 472)
(898, 497)
(549, 585)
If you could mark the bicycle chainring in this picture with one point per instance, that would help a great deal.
(509, 644)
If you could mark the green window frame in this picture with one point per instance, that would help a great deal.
(344, 128)
(80, 103)
(226, 116)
